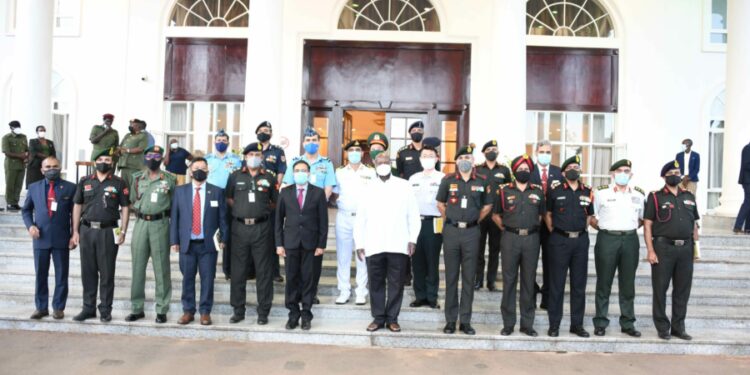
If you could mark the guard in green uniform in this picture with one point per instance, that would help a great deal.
(151, 196)
(131, 151)
(16, 150)
(104, 137)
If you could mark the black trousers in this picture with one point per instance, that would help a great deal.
(98, 258)
(519, 252)
(460, 256)
(488, 228)
(568, 254)
(390, 267)
(300, 288)
(675, 266)
(426, 263)
(743, 216)
(544, 242)
(250, 243)
(226, 254)
(275, 268)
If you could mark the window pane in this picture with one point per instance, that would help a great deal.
(719, 38)
(715, 150)
(237, 118)
(221, 117)
(719, 14)
(604, 129)
(553, 132)
(398, 127)
(202, 118)
(601, 160)
(178, 120)
(576, 127)
(531, 123)
(713, 200)
(598, 181)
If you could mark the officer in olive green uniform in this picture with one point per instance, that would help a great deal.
(104, 137)
(16, 150)
(463, 199)
(151, 196)
(251, 193)
(131, 151)
(670, 230)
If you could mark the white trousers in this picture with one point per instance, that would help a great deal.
(344, 252)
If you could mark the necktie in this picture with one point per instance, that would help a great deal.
(300, 197)
(197, 212)
(544, 179)
(50, 197)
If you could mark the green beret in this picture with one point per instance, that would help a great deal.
(466, 150)
(492, 143)
(106, 152)
(620, 163)
(669, 166)
(157, 149)
(571, 160)
(353, 143)
(378, 138)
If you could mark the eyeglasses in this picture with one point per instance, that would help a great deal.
(153, 156)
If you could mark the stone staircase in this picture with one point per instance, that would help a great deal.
(718, 316)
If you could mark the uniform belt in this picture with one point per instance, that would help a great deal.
(198, 241)
(462, 224)
(252, 220)
(522, 232)
(152, 217)
(425, 217)
(618, 232)
(99, 224)
(669, 241)
(568, 234)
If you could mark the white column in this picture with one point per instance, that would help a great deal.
(509, 78)
(263, 84)
(32, 74)
(737, 111)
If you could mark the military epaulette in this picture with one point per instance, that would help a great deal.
(535, 186)
(501, 186)
(636, 188)
(272, 173)
(555, 184)
(602, 187)
(402, 149)
(483, 177)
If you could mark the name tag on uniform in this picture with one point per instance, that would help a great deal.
(214, 203)
(251, 197)
(464, 202)
(313, 179)
(408, 158)
(53, 206)
(154, 197)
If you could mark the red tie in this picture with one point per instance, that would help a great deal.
(300, 197)
(197, 212)
(544, 179)
(50, 197)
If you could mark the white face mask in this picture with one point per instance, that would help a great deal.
(16, 130)
(174, 146)
(428, 164)
(383, 170)
(41, 134)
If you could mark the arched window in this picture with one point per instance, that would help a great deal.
(715, 151)
(210, 13)
(390, 15)
(576, 18)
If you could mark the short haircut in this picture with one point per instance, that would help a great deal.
(199, 159)
(50, 158)
(428, 148)
(543, 142)
(40, 127)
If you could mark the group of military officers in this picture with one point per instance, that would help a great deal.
(516, 209)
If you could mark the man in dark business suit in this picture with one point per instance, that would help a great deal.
(47, 214)
(198, 211)
(743, 217)
(546, 175)
(301, 234)
(689, 168)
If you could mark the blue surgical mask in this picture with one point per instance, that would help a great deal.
(354, 156)
(311, 148)
(622, 178)
(300, 178)
(544, 159)
(221, 147)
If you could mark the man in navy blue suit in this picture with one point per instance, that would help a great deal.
(743, 217)
(47, 214)
(198, 211)
(690, 166)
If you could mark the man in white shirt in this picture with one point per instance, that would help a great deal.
(386, 231)
(426, 260)
(352, 180)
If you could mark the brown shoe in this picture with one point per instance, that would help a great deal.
(374, 327)
(205, 319)
(39, 314)
(186, 318)
(58, 314)
(394, 327)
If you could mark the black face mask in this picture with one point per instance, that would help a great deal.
(103, 167)
(264, 137)
(153, 164)
(491, 156)
(673, 180)
(522, 176)
(417, 137)
(200, 175)
(131, 128)
(52, 174)
(572, 175)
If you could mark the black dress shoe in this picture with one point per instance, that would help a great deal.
(251, 277)
(407, 283)
(10, 208)
(161, 318)
(477, 285)
(450, 328)
(418, 303)
(39, 314)
(492, 288)
(665, 335)
(236, 318)
(278, 279)
(579, 331)
(316, 301)
(600, 331)
(553, 332)
(529, 332)
(434, 305)
(292, 323)
(134, 317)
(262, 320)
(105, 317)
(227, 277)
(83, 316)
(631, 332)
(467, 329)
(506, 331)
(682, 335)
(543, 306)
(306, 325)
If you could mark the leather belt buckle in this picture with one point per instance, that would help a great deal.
(573, 234)
(462, 224)
(679, 242)
(523, 232)
(95, 225)
(147, 217)
(249, 221)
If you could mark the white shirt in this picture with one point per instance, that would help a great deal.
(618, 209)
(425, 188)
(351, 185)
(687, 162)
(388, 219)
(202, 193)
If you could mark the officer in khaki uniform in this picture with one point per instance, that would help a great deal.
(151, 196)
(16, 150)
(131, 151)
(103, 137)
(619, 214)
